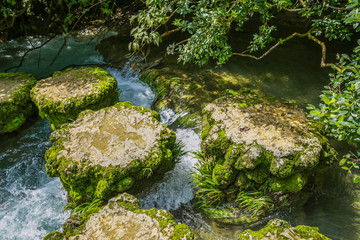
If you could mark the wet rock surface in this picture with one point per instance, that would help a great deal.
(15, 101)
(105, 152)
(63, 96)
(122, 218)
(280, 229)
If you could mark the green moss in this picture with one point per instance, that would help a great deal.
(126, 184)
(54, 236)
(217, 148)
(281, 230)
(283, 167)
(223, 175)
(76, 223)
(18, 107)
(242, 182)
(293, 183)
(259, 174)
(67, 110)
(85, 182)
(229, 215)
(251, 158)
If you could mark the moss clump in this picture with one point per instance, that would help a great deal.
(107, 152)
(63, 96)
(15, 101)
(280, 229)
(257, 144)
(122, 218)
(223, 175)
(292, 184)
(228, 215)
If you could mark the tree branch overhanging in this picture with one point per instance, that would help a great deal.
(296, 34)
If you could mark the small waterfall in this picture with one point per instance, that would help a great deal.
(176, 188)
(131, 88)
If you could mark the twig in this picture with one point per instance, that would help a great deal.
(26, 53)
(58, 53)
(301, 35)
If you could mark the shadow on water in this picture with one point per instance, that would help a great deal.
(31, 203)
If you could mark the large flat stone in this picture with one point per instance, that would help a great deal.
(63, 96)
(104, 152)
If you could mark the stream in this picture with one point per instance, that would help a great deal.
(31, 203)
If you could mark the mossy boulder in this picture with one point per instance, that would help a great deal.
(105, 152)
(122, 218)
(63, 96)
(186, 88)
(281, 230)
(15, 101)
(260, 144)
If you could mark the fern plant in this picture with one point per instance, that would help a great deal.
(208, 192)
(84, 207)
(255, 202)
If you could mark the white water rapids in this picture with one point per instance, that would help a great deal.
(31, 203)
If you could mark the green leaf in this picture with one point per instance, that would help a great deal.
(356, 180)
(358, 131)
(342, 161)
(315, 112)
(326, 100)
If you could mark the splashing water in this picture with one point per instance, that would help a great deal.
(31, 203)
(131, 88)
(176, 188)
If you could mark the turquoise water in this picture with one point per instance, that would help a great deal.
(31, 204)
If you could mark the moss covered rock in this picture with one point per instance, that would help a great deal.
(63, 96)
(259, 144)
(15, 102)
(281, 230)
(122, 218)
(106, 152)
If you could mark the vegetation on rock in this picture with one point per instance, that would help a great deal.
(15, 101)
(107, 152)
(122, 218)
(255, 149)
(280, 229)
(63, 96)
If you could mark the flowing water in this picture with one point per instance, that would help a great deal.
(31, 203)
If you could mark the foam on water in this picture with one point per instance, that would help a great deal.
(131, 88)
(31, 203)
(176, 188)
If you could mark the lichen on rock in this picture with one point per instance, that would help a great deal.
(63, 96)
(105, 152)
(281, 230)
(260, 144)
(15, 101)
(122, 218)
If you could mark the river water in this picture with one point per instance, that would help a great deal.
(31, 203)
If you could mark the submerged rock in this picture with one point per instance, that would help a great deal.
(280, 229)
(15, 101)
(255, 144)
(122, 218)
(63, 96)
(105, 152)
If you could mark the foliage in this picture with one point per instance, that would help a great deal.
(207, 24)
(84, 207)
(254, 202)
(208, 192)
(60, 15)
(340, 107)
